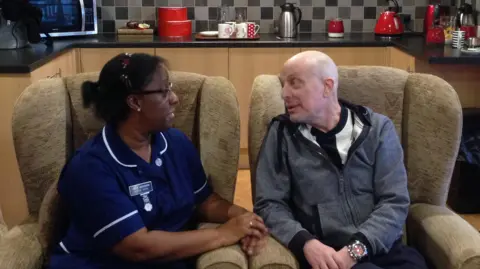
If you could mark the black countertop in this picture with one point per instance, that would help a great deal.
(28, 59)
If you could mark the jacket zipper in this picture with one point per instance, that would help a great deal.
(318, 150)
(356, 144)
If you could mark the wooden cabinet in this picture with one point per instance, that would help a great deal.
(61, 66)
(463, 78)
(12, 196)
(205, 61)
(356, 55)
(244, 65)
(401, 60)
(92, 60)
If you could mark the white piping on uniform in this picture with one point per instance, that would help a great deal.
(64, 248)
(197, 191)
(114, 222)
(166, 144)
(111, 152)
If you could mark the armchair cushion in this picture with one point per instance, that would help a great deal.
(443, 237)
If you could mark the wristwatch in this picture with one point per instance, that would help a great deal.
(357, 250)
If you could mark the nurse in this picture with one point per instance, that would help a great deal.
(135, 191)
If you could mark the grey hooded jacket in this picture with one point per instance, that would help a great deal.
(301, 195)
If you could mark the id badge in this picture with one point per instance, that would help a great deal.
(143, 189)
(140, 189)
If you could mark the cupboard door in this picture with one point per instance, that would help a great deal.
(356, 56)
(63, 65)
(12, 195)
(205, 61)
(463, 78)
(244, 65)
(93, 60)
(401, 60)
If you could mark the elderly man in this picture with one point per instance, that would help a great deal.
(331, 182)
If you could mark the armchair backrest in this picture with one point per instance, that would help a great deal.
(49, 123)
(424, 108)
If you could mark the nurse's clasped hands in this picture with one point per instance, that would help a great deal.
(245, 225)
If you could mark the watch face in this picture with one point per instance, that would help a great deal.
(358, 250)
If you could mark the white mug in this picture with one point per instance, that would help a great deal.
(225, 30)
(241, 30)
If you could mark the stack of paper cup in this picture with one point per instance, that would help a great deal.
(458, 39)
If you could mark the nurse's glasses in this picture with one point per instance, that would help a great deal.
(164, 91)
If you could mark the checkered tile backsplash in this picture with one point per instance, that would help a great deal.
(358, 15)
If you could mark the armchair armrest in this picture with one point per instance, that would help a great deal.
(3, 230)
(20, 248)
(445, 239)
(3, 226)
(231, 257)
(274, 256)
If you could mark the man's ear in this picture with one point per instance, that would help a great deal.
(328, 85)
(134, 102)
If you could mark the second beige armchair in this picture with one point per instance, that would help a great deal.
(428, 118)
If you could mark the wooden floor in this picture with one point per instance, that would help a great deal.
(243, 190)
(243, 197)
(473, 219)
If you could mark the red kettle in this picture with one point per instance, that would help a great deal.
(389, 22)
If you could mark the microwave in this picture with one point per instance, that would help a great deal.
(68, 17)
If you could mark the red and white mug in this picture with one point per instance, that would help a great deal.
(252, 29)
(226, 30)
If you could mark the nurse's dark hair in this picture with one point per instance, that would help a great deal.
(121, 76)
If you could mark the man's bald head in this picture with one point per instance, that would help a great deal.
(317, 63)
(310, 82)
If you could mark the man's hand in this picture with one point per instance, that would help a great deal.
(343, 259)
(321, 256)
(252, 245)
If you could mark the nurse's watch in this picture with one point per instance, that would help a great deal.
(357, 250)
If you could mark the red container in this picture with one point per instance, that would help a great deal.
(173, 22)
(335, 28)
(175, 28)
(172, 14)
(435, 35)
(469, 31)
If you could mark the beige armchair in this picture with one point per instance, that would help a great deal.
(49, 122)
(3, 226)
(428, 117)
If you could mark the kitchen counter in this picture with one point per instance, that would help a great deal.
(28, 59)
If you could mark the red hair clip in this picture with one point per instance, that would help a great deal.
(126, 60)
(124, 77)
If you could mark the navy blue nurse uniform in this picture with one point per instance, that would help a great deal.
(110, 193)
